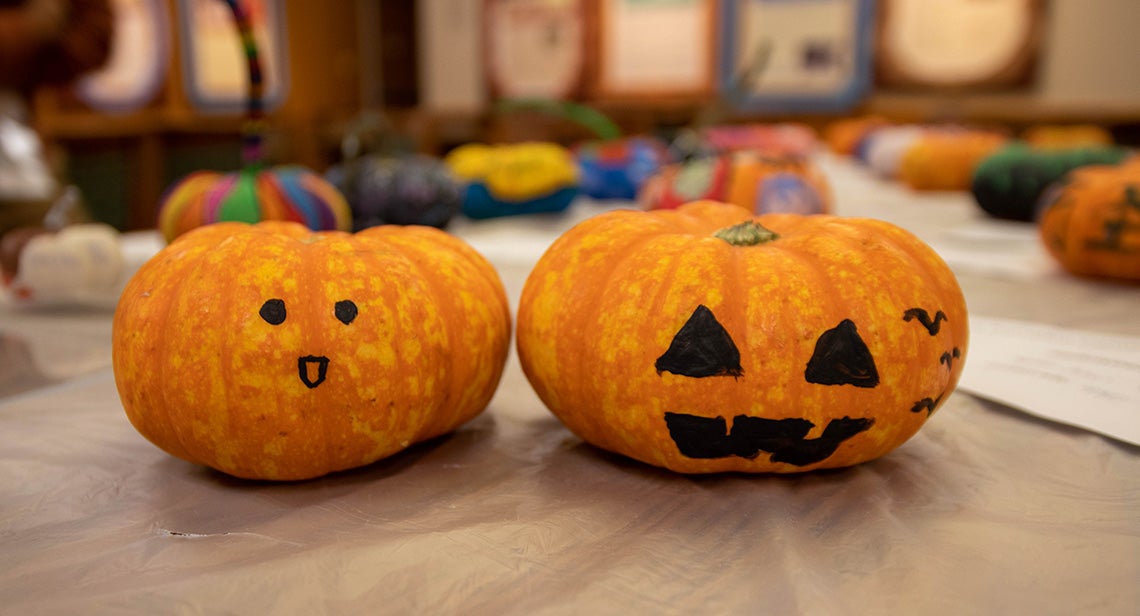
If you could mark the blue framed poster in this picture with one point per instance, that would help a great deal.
(795, 55)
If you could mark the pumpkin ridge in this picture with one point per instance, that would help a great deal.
(592, 315)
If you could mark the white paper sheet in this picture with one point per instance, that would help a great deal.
(1079, 378)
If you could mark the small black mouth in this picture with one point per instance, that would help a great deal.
(709, 437)
(303, 364)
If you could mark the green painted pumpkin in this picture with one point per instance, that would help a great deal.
(704, 339)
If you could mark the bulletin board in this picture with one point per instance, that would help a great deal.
(655, 48)
(795, 55)
(535, 48)
(213, 65)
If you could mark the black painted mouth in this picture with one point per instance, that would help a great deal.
(303, 367)
(709, 437)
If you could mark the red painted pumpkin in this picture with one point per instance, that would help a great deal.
(704, 339)
(269, 351)
(1090, 221)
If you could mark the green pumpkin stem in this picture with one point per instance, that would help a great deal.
(747, 233)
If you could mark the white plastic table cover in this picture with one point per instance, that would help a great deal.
(986, 511)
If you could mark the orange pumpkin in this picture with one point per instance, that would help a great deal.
(1090, 221)
(946, 160)
(764, 182)
(269, 351)
(704, 340)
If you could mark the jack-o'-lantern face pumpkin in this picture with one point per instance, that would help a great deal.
(780, 344)
(840, 358)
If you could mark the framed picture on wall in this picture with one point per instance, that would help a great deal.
(795, 55)
(140, 55)
(535, 48)
(214, 66)
(655, 48)
(958, 44)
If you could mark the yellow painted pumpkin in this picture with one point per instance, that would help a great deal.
(704, 340)
(1090, 221)
(269, 351)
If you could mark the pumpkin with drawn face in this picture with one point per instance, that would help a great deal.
(270, 351)
(1089, 221)
(704, 339)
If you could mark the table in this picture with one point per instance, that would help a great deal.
(987, 510)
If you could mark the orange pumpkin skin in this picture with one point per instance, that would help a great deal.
(602, 321)
(219, 341)
(1090, 221)
(946, 160)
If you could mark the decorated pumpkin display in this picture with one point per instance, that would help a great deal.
(511, 179)
(270, 351)
(946, 159)
(256, 192)
(760, 182)
(704, 339)
(1090, 221)
(403, 190)
(1008, 183)
(616, 169)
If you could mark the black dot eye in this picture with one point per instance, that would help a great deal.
(273, 311)
(345, 311)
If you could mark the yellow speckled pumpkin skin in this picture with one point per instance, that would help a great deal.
(603, 314)
(1090, 221)
(205, 375)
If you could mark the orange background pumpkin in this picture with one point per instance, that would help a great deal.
(618, 306)
(269, 351)
(1090, 221)
(946, 160)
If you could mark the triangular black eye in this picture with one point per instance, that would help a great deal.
(842, 358)
(701, 348)
(273, 311)
(345, 311)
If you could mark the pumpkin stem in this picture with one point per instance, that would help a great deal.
(747, 233)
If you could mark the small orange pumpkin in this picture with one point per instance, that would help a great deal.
(946, 159)
(269, 351)
(704, 339)
(1090, 221)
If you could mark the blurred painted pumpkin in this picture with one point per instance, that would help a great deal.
(760, 182)
(1008, 183)
(704, 339)
(403, 190)
(883, 149)
(1062, 136)
(1090, 221)
(79, 264)
(511, 179)
(616, 169)
(269, 351)
(946, 159)
(288, 193)
(844, 136)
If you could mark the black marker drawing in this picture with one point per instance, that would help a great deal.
(705, 437)
(842, 358)
(932, 325)
(701, 348)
